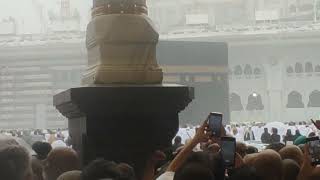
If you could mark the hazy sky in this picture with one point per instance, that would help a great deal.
(27, 15)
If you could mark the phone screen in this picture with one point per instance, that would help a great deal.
(215, 123)
(314, 149)
(228, 150)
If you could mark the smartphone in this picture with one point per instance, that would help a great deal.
(314, 150)
(215, 123)
(228, 150)
(315, 123)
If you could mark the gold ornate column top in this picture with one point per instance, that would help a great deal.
(121, 43)
(104, 7)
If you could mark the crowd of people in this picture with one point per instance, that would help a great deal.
(265, 133)
(194, 155)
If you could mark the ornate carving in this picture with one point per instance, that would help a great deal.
(121, 43)
(103, 7)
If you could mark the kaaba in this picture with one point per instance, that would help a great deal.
(209, 62)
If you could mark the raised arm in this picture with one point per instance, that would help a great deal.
(306, 168)
(201, 135)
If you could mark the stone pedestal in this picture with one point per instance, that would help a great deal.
(122, 123)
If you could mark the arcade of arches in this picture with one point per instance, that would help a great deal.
(279, 93)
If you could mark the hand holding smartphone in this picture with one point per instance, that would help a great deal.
(228, 150)
(314, 150)
(228, 144)
(215, 123)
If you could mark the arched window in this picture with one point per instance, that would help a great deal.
(314, 99)
(295, 100)
(298, 68)
(308, 67)
(257, 71)
(289, 69)
(254, 102)
(317, 68)
(238, 70)
(247, 70)
(235, 102)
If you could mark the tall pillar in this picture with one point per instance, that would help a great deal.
(275, 90)
(124, 112)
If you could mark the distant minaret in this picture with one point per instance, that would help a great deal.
(39, 9)
(65, 8)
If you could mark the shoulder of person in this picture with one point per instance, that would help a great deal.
(168, 175)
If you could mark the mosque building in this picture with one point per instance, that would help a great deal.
(272, 53)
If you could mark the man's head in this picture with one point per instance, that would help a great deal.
(15, 163)
(249, 159)
(192, 171)
(241, 149)
(177, 140)
(101, 169)
(290, 169)
(245, 173)
(265, 130)
(235, 131)
(289, 132)
(217, 165)
(292, 152)
(6, 141)
(126, 170)
(275, 146)
(251, 150)
(268, 164)
(199, 157)
(274, 131)
(59, 161)
(42, 149)
(207, 160)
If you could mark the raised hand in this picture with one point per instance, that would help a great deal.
(202, 133)
(306, 168)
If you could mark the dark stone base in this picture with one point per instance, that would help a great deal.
(122, 123)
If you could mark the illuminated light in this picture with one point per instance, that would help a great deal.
(255, 95)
